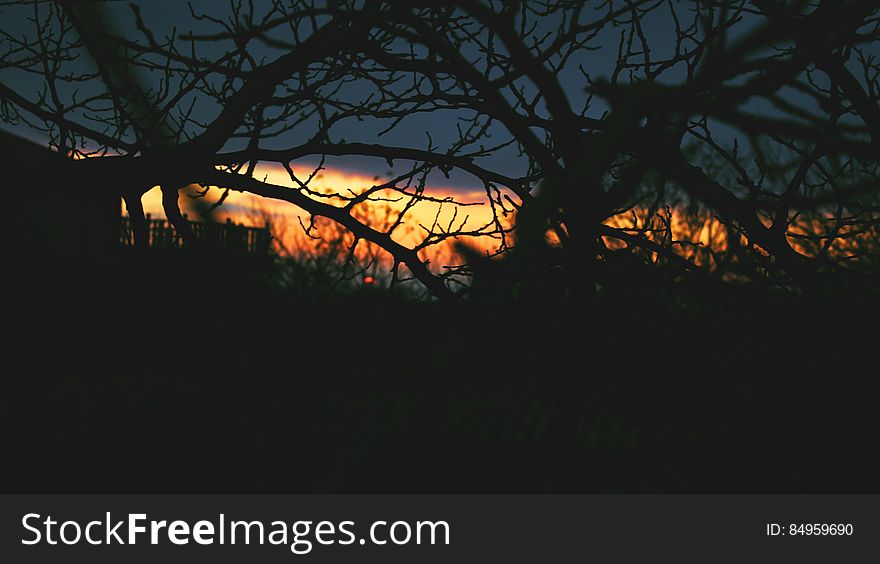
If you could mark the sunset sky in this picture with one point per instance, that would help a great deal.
(355, 174)
(250, 209)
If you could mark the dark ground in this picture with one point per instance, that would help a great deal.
(121, 376)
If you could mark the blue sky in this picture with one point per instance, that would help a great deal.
(164, 17)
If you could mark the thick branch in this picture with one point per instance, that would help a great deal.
(370, 150)
(341, 216)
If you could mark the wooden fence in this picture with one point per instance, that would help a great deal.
(227, 236)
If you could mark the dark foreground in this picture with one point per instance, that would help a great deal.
(201, 379)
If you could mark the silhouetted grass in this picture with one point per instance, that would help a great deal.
(163, 374)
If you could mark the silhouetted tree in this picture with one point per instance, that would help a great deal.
(758, 118)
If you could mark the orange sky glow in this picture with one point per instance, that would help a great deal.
(287, 219)
(702, 233)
